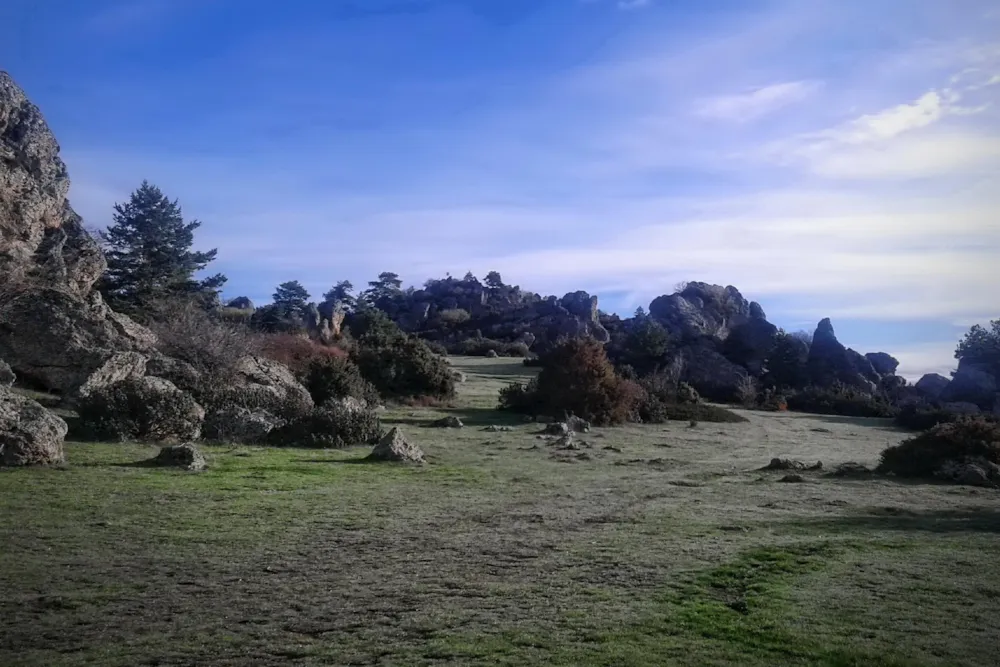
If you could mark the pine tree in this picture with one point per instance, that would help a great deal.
(342, 293)
(291, 298)
(150, 261)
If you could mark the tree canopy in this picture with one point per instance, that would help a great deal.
(149, 255)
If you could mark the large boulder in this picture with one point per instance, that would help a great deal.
(971, 383)
(29, 434)
(182, 374)
(883, 363)
(931, 385)
(830, 362)
(118, 368)
(263, 372)
(143, 409)
(59, 340)
(239, 425)
(702, 310)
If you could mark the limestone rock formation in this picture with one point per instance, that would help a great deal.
(830, 362)
(118, 368)
(59, 340)
(709, 372)
(54, 329)
(29, 434)
(931, 385)
(702, 310)
(883, 363)
(972, 383)
(239, 425)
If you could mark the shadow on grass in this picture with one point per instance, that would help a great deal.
(972, 520)
(471, 417)
(358, 460)
(882, 423)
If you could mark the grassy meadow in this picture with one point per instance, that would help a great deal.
(649, 545)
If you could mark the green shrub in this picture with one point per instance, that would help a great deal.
(331, 426)
(655, 411)
(255, 398)
(140, 409)
(925, 416)
(333, 378)
(839, 400)
(437, 348)
(966, 439)
(405, 367)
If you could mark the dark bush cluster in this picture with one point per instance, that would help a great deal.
(399, 366)
(576, 379)
(331, 426)
(967, 439)
(140, 409)
(333, 378)
(839, 400)
(924, 416)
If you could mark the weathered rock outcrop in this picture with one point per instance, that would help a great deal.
(971, 383)
(709, 372)
(931, 385)
(184, 456)
(29, 434)
(59, 340)
(702, 310)
(54, 329)
(830, 362)
(883, 363)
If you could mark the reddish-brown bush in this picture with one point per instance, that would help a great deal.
(297, 352)
(577, 378)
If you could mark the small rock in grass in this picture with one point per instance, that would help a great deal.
(185, 456)
(451, 421)
(792, 479)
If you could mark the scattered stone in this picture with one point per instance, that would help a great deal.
(556, 428)
(7, 376)
(612, 448)
(394, 447)
(973, 472)
(491, 354)
(792, 479)
(578, 425)
(185, 456)
(583, 456)
(739, 606)
(821, 430)
(459, 376)
(29, 434)
(451, 421)
(493, 428)
(693, 423)
(791, 464)
(851, 469)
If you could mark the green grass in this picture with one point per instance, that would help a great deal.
(663, 546)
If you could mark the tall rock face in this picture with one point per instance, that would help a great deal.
(830, 362)
(701, 310)
(54, 329)
(972, 383)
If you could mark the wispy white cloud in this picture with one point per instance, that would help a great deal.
(633, 4)
(607, 178)
(761, 101)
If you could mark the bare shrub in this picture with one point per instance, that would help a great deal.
(190, 333)
(747, 391)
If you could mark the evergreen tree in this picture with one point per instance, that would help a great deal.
(786, 362)
(343, 293)
(148, 249)
(385, 288)
(493, 280)
(291, 299)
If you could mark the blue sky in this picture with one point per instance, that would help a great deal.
(829, 158)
